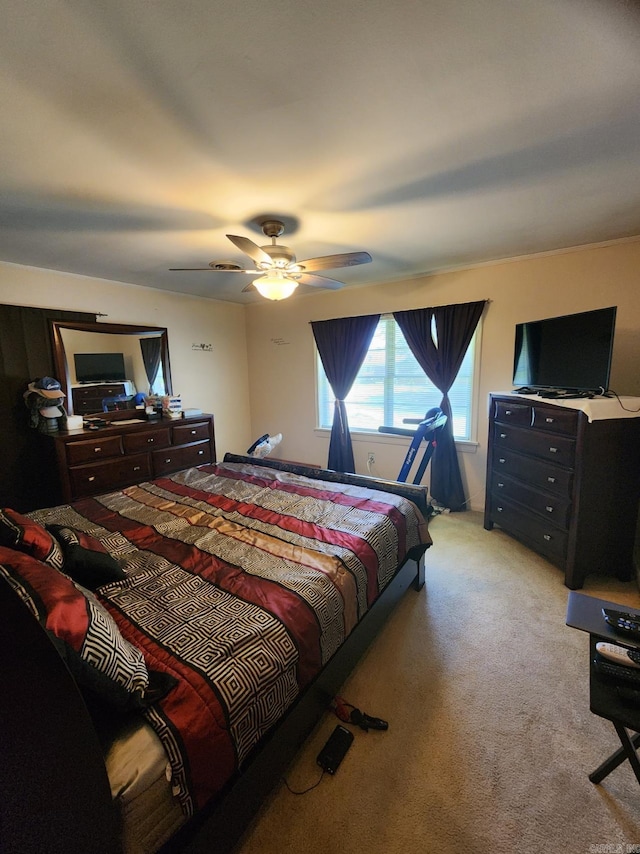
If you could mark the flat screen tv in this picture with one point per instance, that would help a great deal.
(99, 367)
(571, 353)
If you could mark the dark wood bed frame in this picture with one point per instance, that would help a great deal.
(54, 791)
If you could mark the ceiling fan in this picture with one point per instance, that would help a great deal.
(279, 274)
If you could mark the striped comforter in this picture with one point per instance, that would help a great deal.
(242, 581)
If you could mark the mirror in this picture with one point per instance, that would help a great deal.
(124, 343)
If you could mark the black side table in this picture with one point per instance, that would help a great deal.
(585, 613)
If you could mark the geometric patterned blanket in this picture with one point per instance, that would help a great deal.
(242, 581)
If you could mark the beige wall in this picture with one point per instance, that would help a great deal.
(281, 352)
(215, 381)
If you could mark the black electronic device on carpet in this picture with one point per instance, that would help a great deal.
(335, 749)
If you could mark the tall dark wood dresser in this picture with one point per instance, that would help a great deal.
(564, 478)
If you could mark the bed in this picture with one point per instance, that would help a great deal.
(153, 708)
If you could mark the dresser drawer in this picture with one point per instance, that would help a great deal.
(556, 420)
(109, 475)
(543, 537)
(94, 392)
(136, 442)
(172, 459)
(552, 507)
(94, 449)
(535, 472)
(184, 433)
(559, 449)
(513, 413)
(87, 406)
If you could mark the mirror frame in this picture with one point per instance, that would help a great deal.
(60, 355)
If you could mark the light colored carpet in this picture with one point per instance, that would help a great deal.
(490, 737)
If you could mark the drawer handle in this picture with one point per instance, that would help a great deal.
(136, 468)
(193, 432)
(503, 435)
(549, 420)
(551, 480)
(200, 453)
(93, 477)
(150, 441)
(168, 460)
(507, 412)
(553, 450)
(500, 484)
(499, 509)
(502, 460)
(549, 509)
(97, 450)
(548, 537)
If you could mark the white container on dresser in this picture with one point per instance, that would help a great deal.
(564, 478)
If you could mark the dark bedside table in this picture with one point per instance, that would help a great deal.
(585, 613)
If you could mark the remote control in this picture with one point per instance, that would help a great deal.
(616, 671)
(618, 654)
(623, 622)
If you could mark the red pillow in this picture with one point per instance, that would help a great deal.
(20, 532)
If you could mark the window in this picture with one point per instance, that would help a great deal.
(391, 386)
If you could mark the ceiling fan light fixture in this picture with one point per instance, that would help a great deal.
(275, 286)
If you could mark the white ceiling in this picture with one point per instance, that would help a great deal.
(431, 133)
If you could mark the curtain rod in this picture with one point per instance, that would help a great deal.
(382, 313)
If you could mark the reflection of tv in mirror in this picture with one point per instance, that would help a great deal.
(572, 352)
(99, 367)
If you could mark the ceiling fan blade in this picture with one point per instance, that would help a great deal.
(318, 281)
(214, 268)
(329, 262)
(250, 248)
(248, 288)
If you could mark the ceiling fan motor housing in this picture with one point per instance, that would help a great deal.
(281, 256)
(272, 228)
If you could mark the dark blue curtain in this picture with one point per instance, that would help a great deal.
(151, 352)
(343, 345)
(455, 325)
